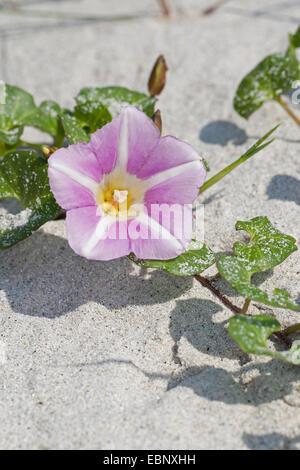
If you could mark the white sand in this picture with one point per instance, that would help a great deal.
(94, 355)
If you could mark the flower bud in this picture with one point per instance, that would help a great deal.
(157, 77)
(47, 151)
(164, 7)
(156, 118)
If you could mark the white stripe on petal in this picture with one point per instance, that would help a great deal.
(170, 173)
(98, 234)
(163, 233)
(85, 181)
(123, 141)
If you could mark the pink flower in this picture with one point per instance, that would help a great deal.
(110, 186)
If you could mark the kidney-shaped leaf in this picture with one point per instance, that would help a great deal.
(251, 333)
(267, 248)
(270, 79)
(23, 175)
(195, 260)
(46, 118)
(114, 97)
(73, 129)
(92, 115)
(17, 105)
(17, 109)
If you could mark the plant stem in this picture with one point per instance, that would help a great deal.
(288, 110)
(61, 216)
(245, 306)
(206, 283)
(59, 140)
(257, 147)
(164, 7)
(212, 9)
(291, 329)
(2, 148)
(29, 144)
(223, 173)
(281, 335)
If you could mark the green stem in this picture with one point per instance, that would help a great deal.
(223, 173)
(29, 144)
(257, 147)
(291, 329)
(2, 148)
(59, 140)
(288, 110)
(245, 306)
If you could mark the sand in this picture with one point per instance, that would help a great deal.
(102, 355)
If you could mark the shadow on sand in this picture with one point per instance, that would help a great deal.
(42, 276)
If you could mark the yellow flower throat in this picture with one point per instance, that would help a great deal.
(120, 194)
(114, 201)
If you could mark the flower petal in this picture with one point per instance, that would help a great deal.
(67, 192)
(160, 244)
(96, 236)
(137, 138)
(104, 143)
(169, 153)
(74, 175)
(179, 184)
(173, 173)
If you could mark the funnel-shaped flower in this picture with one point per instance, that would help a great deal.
(117, 189)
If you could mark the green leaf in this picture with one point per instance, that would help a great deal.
(46, 118)
(294, 41)
(239, 277)
(251, 333)
(269, 79)
(196, 259)
(207, 167)
(18, 106)
(19, 110)
(11, 137)
(24, 176)
(73, 129)
(115, 97)
(267, 248)
(92, 115)
(257, 147)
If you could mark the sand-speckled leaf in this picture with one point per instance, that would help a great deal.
(195, 260)
(267, 248)
(17, 105)
(115, 97)
(46, 118)
(270, 79)
(92, 115)
(24, 176)
(73, 130)
(11, 137)
(235, 272)
(251, 333)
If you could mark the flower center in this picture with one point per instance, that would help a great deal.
(114, 201)
(121, 194)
